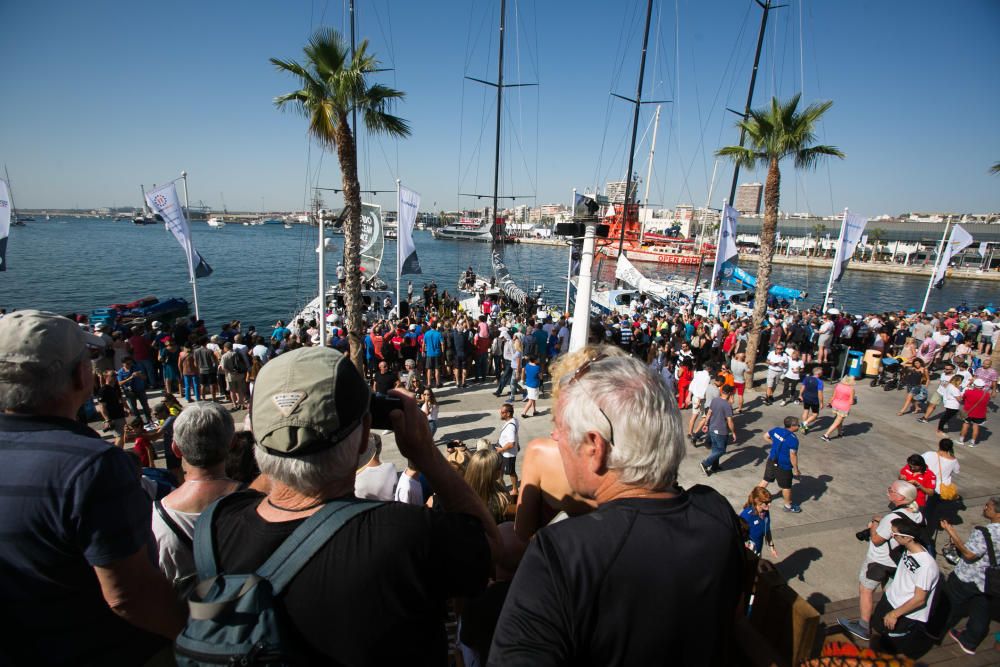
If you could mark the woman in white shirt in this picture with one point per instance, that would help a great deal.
(951, 394)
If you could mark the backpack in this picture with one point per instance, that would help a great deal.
(992, 587)
(239, 363)
(234, 617)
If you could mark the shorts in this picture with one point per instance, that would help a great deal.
(772, 378)
(773, 472)
(824, 341)
(975, 420)
(507, 465)
(841, 413)
(459, 363)
(432, 363)
(117, 425)
(873, 575)
(935, 399)
(918, 392)
(811, 406)
(697, 404)
(207, 378)
(740, 388)
(532, 393)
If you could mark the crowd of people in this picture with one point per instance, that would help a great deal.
(308, 455)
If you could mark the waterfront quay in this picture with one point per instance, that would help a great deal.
(897, 268)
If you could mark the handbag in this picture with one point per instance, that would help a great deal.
(947, 491)
(992, 580)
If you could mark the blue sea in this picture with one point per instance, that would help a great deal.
(267, 272)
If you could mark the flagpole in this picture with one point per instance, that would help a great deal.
(930, 281)
(569, 262)
(322, 285)
(715, 265)
(837, 260)
(191, 268)
(399, 267)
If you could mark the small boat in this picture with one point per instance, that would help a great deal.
(216, 223)
(288, 225)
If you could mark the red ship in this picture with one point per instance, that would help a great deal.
(650, 247)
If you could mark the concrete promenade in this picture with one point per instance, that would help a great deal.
(843, 482)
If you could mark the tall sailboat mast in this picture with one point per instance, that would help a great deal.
(635, 126)
(494, 225)
(10, 194)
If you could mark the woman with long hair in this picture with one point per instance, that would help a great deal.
(951, 395)
(915, 379)
(429, 406)
(483, 474)
(756, 512)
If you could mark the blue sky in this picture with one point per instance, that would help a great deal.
(105, 95)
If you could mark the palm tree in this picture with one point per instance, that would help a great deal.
(333, 86)
(818, 231)
(774, 133)
(875, 237)
(995, 169)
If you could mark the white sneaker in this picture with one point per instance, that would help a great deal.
(960, 441)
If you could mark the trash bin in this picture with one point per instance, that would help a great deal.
(854, 358)
(873, 363)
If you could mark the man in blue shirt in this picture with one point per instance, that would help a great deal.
(811, 395)
(133, 383)
(279, 331)
(783, 460)
(432, 350)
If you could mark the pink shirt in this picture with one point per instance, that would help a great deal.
(843, 398)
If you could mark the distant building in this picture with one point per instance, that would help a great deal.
(748, 198)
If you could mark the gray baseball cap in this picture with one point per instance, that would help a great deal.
(40, 338)
(307, 400)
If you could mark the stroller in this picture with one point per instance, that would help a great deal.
(889, 374)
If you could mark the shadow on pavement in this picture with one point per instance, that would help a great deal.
(746, 454)
(470, 435)
(812, 488)
(857, 428)
(448, 420)
(795, 564)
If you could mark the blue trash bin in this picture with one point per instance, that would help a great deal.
(854, 359)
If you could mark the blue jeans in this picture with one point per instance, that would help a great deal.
(505, 377)
(146, 366)
(192, 382)
(719, 442)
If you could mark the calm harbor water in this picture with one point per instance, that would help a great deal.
(267, 272)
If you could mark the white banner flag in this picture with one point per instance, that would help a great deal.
(4, 223)
(957, 242)
(409, 204)
(851, 234)
(983, 247)
(163, 200)
(726, 250)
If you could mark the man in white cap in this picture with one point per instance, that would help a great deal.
(385, 568)
(878, 567)
(975, 400)
(77, 581)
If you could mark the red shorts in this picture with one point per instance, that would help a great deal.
(740, 387)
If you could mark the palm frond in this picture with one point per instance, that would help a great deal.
(995, 169)
(808, 158)
(378, 122)
(740, 155)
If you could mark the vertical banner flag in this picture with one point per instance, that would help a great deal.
(4, 223)
(726, 254)
(982, 246)
(163, 200)
(851, 232)
(409, 204)
(372, 240)
(957, 242)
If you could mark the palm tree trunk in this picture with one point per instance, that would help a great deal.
(348, 158)
(767, 233)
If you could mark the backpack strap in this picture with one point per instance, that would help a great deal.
(989, 545)
(204, 551)
(299, 547)
(172, 525)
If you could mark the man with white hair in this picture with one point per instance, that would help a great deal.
(75, 576)
(879, 567)
(202, 437)
(655, 570)
(386, 567)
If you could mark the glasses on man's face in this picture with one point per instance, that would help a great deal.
(584, 368)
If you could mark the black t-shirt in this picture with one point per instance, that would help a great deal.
(636, 582)
(111, 399)
(384, 382)
(374, 595)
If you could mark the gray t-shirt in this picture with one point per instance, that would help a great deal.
(739, 369)
(721, 410)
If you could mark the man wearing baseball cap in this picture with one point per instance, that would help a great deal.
(386, 572)
(975, 400)
(77, 581)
